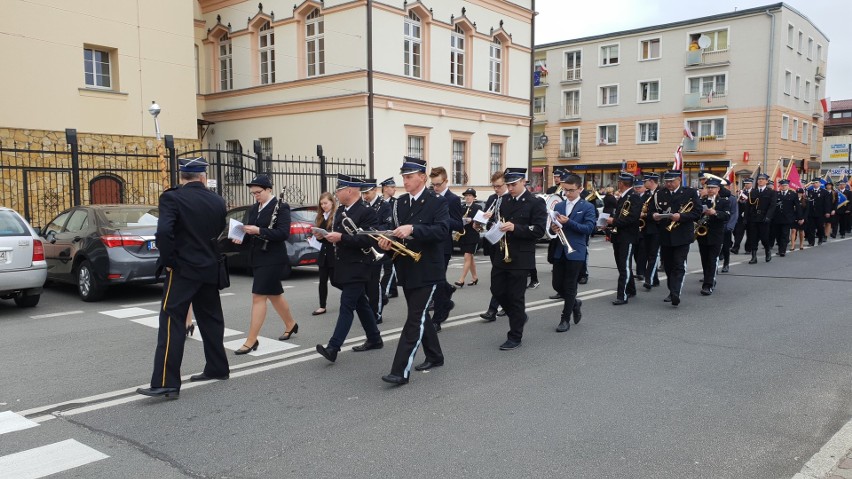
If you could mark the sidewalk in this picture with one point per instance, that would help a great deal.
(843, 469)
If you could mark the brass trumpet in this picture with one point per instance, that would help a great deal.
(644, 213)
(397, 247)
(353, 229)
(504, 242)
(683, 209)
(624, 212)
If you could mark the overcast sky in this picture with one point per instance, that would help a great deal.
(567, 19)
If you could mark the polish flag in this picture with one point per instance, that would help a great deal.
(686, 131)
(793, 176)
(730, 176)
(826, 104)
(678, 161)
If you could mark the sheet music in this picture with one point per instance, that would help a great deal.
(321, 231)
(602, 220)
(494, 234)
(554, 218)
(236, 230)
(314, 243)
(480, 217)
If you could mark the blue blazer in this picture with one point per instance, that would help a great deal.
(582, 223)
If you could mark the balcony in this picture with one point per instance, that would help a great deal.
(572, 76)
(569, 152)
(695, 101)
(700, 59)
(820, 70)
(705, 145)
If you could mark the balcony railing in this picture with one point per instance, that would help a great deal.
(569, 151)
(570, 115)
(700, 58)
(697, 101)
(705, 145)
(572, 75)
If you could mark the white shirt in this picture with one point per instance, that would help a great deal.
(264, 204)
(569, 206)
(417, 196)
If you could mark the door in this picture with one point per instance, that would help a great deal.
(51, 250)
(70, 240)
(105, 190)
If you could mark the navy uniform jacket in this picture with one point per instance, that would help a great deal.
(276, 237)
(454, 223)
(429, 217)
(716, 224)
(486, 246)
(785, 207)
(529, 215)
(672, 202)
(352, 264)
(819, 202)
(651, 227)
(326, 253)
(471, 236)
(627, 225)
(191, 219)
(760, 205)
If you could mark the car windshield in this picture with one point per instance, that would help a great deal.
(11, 225)
(307, 214)
(123, 217)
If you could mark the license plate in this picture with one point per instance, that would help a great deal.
(2, 256)
(152, 246)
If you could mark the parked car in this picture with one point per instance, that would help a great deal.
(98, 246)
(23, 270)
(298, 251)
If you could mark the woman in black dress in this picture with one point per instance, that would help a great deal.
(325, 220)
(267, 227)
(469, 241)
(797, 229)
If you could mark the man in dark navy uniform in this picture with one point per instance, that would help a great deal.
(650, 232)
(787, 201)
(191, 219)
(624, 234)
(760, 207)
(677, 210)
(374, 201)
(420, 222)
(740, 227)
(819, 210)
(444, 294)
(388, 272)
(717, 209)
(353, 261)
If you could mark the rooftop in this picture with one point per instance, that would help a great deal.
(840, 105)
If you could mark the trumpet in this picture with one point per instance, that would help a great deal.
(481, 226)
(644, 213)
(624, 212)
(560, 233)
(683, 209)
(397, 247)
(504, 243)
(353, 229)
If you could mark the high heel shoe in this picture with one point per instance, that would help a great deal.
(474, 282)
(287, 334)
(460, 284)
(190, 330)
(247, 349)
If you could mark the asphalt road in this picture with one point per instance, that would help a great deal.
(749, 382)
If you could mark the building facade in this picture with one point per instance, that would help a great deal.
(747, 84)
(837, 160)
(370, 80)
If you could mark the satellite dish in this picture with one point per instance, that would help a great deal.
(703, 41)
(543, 140)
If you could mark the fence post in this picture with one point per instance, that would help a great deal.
(323, 180)
(258, 158)
(170, 146)
(71, 139)
(219, 178)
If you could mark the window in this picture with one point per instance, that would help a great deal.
(807, 91)
(718, 39)
(79, 221)
(496, 157)
(704, 85)
(570, 143)
(819, 52)
(609, 55)
(226, 63)
(791, 35)
(96, 64)
(458, 162)
(607, 134)
(785, 127)
(795, 129)
(266, 47)
(571, 104)
(800, 43)
(814, 133)
(816, 93)
(415, 146)
(810, 48)
(709, 128)
(649, 49)
(315, 39)
(798, 91)
(609, 95)
(537, 141)
(235, 159)
(805, 127)
(788, 82)
(648, 132)
(649, 90)
(266, 153)
(412, 45)
(457, 57)
(495, 66)
(538, 105)
(197, 72)
(573, 62)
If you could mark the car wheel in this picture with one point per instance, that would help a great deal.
(27, 301)
(87, 284)
(285, 271)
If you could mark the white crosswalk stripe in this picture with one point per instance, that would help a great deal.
(11, 422)
(46, 460)
(128, 312)
(267, 346)
(154, 322)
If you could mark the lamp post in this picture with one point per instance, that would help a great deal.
(154, 110)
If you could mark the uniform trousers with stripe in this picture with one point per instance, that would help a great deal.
(727, 242)
(389, 279)
(623, 252)
(509, 287)
(709, 262)
(374, 290)
(651, 245)
(674, 262)
(640, 256)
(178, 294)
(443, 296)
(418, 329)
(353, 299)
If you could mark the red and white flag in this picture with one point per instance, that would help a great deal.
(686, 131)
(678, 158)
(826, 104)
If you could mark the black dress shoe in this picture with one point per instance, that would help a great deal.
(489, 316)
(583, 280)
(656, 283)
(753, 259)
(171, 393)
(668, 299)
(705, 291)
(204, 377)
(782, 254)
(379, 321)
(647, 286)
(427, 365)
(394, 379)
(368, 346)
(675, 299)
(735, 251)
(328, 352)
(578, 311)
(510, 345)
(631, 295)
(247, 349)
(768, 256)
(437, 327)
(640, 277)
(555, 296)
(501, 313)
(725, 269)
(619, 302)
(564, 325)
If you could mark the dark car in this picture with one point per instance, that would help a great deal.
(298, 251)
(97, 246)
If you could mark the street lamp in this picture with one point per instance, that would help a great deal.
(154, 110)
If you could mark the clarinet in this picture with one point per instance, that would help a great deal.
(271, 223)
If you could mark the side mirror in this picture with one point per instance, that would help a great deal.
(51, 237)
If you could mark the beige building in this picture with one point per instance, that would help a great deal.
(444, 80)
(747, 84)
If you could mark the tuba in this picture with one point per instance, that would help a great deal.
(683, 209)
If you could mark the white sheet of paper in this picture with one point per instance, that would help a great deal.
(602, 220)
(494, 234)
(321, 231)
(235, 230)
(314, 243)
(479, 217)
(554, 218)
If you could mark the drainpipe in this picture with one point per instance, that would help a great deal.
(532, 94)
(769, 90)
(370, 118)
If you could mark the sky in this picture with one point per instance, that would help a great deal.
(568, 19)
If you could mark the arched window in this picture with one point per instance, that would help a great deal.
(496, 66)
(315, 43)
(226, 63)
(457, 57)
(266, 48)
(413, 45)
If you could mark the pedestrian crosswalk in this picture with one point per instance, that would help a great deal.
(44, 460)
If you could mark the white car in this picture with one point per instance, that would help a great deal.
(23, 269)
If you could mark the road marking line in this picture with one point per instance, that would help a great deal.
(54, 315)
(46, 460)
(151, 303)
(127, 312)
(11, 422)
(154, 322)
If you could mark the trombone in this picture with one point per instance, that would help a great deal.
(683, 209)
(397, 247)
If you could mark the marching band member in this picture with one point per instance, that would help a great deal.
(625, 230)
(831, 222)
(388, 271)
(730, 225)
(760, 207)
(740, 228)
(819, 209)
(799, 227)
(420, 219)
(522, 217)
(715, 217)
(650, 231)
(844, 212)
(557, 182)
(577, 219)
(639, 259)
(444, 294)
(469, 241)
(498, 183)
(375, 292)
(786, 203)
(353, 261)
(676, 232)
